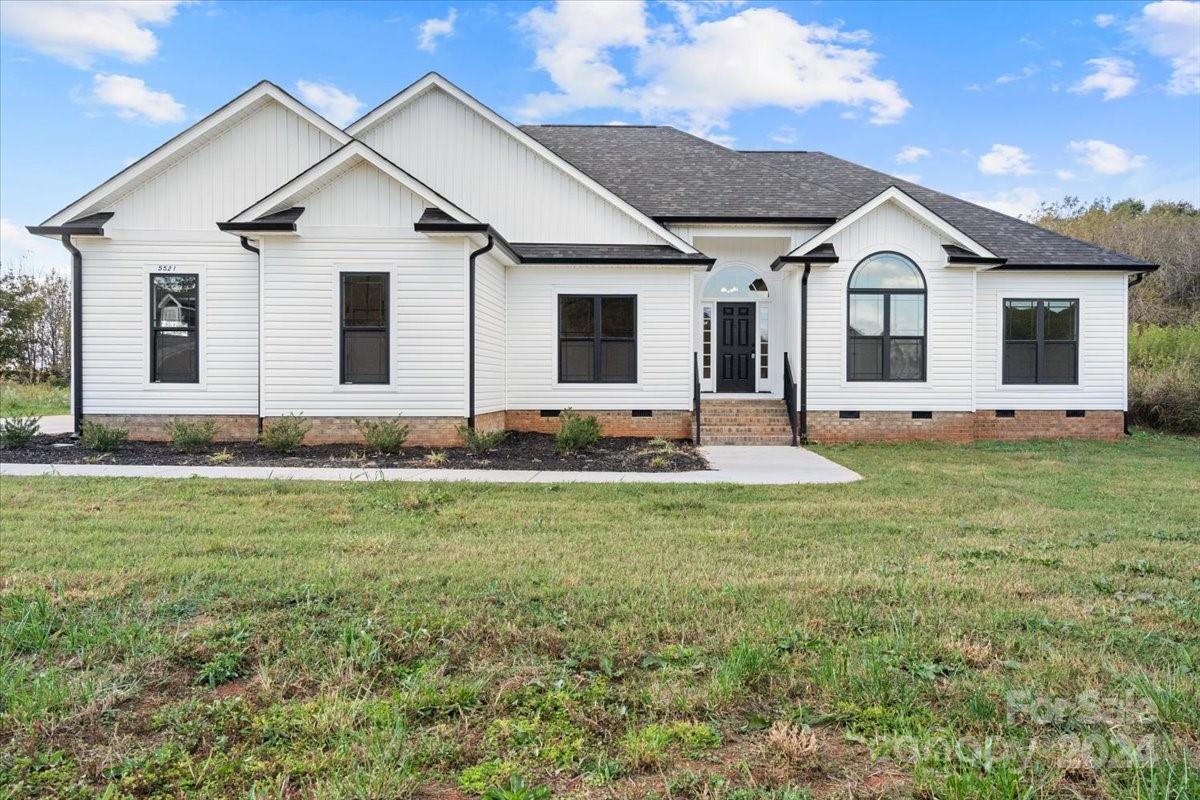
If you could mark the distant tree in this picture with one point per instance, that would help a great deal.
(35, 325)
(1166, 233)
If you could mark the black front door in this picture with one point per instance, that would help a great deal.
(735, 347)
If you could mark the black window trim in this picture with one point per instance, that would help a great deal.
(155, 329)
(886, 337)
(1039, 340)
(386, 328)
(597, 338)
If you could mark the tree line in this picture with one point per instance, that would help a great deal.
(35, 326)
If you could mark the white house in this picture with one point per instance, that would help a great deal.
(436, 262)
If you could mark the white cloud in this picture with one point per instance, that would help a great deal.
(1012, 77)
(911, 154)
(1019, 202)
(78, 33)
(1170, 29)
(1064, 174)
(1104, 20)
(22, 250)
(785, 135)
(1106, 158)
(330, 102)
(698, 73)
(1115, 77)
(133, 99)
(1005, 159)
(434, 28)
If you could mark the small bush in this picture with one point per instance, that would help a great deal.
(517, 789)
(104, 438)
(191, 436)
(18, 431)
(577, 433)
(481, 442)
(1164, 377)
(435, 458)
(383, 435)
(285, 434)
(222, 456)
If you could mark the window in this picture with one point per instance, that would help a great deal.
(597, 338)
(1041, 341)
(706, 343)
(364, 330)
(764, 328)
(175, 328)
(886, 320)
(735, 283)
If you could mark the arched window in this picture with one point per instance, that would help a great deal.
(886, 320)
(735, 283)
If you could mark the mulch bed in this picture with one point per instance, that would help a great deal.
(518, 451)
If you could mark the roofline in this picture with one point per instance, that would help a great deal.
(705, 261)
(1093, 267)
(91, 225)
(684, 219)
(186, 136)
(779, 262)
(431, 79)
(467, 228)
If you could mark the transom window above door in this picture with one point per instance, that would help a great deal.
(885, 331)
(735, 283)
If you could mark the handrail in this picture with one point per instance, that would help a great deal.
(789, 395)
(696, 396)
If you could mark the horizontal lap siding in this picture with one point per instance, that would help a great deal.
(497, 178)
(1102, 339)
(664, 337)
(489, 336)
(301, 318)
(116, 328)
(949, 311)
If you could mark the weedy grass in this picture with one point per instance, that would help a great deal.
(999, 620)
(33, 399)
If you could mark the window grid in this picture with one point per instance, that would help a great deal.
(355, 333)
(596, 340)
(764, 328)
(1025, 358)
(879, 348)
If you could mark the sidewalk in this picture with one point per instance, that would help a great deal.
(752, 466)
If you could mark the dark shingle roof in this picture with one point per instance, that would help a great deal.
(672, 176)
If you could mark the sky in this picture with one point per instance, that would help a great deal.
(1006, 104)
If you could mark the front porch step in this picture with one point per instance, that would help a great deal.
(750, 421)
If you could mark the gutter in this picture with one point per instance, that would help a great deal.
(804, 355)
(471, 329)
(494, 237)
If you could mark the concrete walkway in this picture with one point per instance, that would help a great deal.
(742, 465)
(56, 424)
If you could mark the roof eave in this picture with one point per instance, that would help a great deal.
(619, 261)
(90, 225)
(1092, 267)
(821, 260)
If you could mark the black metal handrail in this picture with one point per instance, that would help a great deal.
(789, 395)
(696, 396)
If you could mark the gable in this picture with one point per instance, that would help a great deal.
(363, 196)
(498, 176)
(889, 226)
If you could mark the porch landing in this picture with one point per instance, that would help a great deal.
(745, 420)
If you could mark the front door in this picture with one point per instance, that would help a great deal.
(735, 347)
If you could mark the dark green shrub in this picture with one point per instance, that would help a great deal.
(285, 434)
(191, 436)
(383, 435)
(577, 433)
(18, 431)
(481, 442)
(104, 438)
(1164, 377)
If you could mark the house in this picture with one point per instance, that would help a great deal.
(434, 261)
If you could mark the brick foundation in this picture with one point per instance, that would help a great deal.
(827, 427)
(423, 431)
(153, 427)
(492, 421)
(667, 424)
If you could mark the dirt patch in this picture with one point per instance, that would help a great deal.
(533, 451)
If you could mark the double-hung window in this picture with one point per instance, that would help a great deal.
(1041, 341)
(364, 327)
(175, 328)
(885, 334)
(597, 338)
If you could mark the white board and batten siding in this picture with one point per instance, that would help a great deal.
(1103, 342)
(950, 304)
(497, 178)
(665, 321)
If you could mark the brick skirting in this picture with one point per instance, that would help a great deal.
(827, 427)
(423, 431)
(153, 427)
(667, 424)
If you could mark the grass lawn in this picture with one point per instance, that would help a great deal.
(989, 621)
(33, 399)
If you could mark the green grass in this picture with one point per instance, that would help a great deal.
(33, 399)
(987, 621)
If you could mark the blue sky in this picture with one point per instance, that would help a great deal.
(1009, 104)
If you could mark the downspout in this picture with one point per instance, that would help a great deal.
(804, 355)
(1138, 278)
(76, 333)
(247, 246)
(471, 330)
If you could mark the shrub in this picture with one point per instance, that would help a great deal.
(1164, 377)
(435, 458)
(191, 436)
(577, 433)
(481, 442)
(285, 434)
(104, 438)
(383, 435)
(17, 431)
